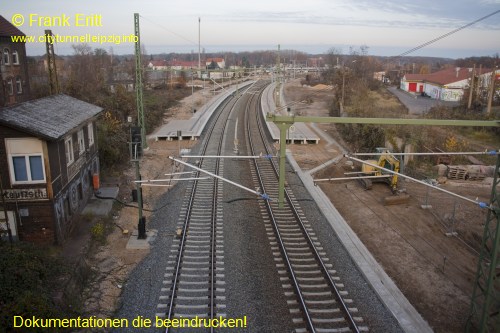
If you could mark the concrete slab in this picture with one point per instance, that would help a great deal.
(191, 129)
(102, 202)
(141, 244)
(409, 319)
(299, 133)
(417, 104)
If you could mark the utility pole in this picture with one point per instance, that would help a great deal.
(138, 83)
(277, 93)
(471, 88)
(199, 47)
(491, 90)
(51, 63)
(140, 124)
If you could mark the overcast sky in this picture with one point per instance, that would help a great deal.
(387, 27)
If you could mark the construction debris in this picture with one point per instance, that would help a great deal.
(469, 172)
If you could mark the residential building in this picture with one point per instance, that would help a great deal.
(158, 65)
(220, 62)
(446, 85)
(48, 162)
(181, 65)
(14, 81)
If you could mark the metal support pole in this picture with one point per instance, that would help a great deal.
(141, 227)
(484, 315)
(281, 194)
(138, 83)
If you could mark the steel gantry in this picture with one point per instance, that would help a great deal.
(485, 302)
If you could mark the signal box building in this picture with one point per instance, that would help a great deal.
(48, 158)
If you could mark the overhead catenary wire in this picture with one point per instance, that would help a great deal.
(170, 31)
(446, 34)
(228, 156)
(492, 153)
(166, 180)
(262, 195)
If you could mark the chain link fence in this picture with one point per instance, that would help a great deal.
(457, 216)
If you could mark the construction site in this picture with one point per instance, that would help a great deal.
(428, 241)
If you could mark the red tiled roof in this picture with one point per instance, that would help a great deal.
(215, 60)
(446, 76)
(7, 29)
(158, 63)
(416, 77)
(184, 63)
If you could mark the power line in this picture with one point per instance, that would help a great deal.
(446, 34)
(170, 31)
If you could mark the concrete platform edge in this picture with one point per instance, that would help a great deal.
(406, 315)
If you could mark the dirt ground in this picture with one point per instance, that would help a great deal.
(433, 270)
(111, 263)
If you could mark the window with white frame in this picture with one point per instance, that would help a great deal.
(68, 146)
(19, 85)
(15, 57)
(6, 57)
(90, 129)
(25, 160)
(28, 168)
(81, 142)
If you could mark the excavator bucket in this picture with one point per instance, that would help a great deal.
(396, 199)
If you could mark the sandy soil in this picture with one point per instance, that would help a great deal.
(435, 271)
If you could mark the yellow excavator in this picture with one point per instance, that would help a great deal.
(387, 161)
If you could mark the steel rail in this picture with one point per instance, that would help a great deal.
(326, 274)
(296, 286)
(186, 223)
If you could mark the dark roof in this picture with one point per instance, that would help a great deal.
(49, 117)
(7, 29)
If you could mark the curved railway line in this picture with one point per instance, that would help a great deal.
(194, 283)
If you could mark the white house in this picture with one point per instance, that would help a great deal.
(446, 85)
(158, 65)
(221, 63)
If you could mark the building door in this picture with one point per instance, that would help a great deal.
(12, 224)
(412, 87)
(421, 88)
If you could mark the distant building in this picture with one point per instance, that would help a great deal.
(220, 62)
(48, 158)
(14, 81)
(158, 65)
(445, 85)
(180, 64)
(123, 79)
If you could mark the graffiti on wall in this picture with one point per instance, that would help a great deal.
(451, 95)
(72, 199)
(454, 95)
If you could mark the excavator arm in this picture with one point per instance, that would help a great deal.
(388, 161)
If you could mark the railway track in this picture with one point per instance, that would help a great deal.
(194, 285)
(194, 277)
(317, 299)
